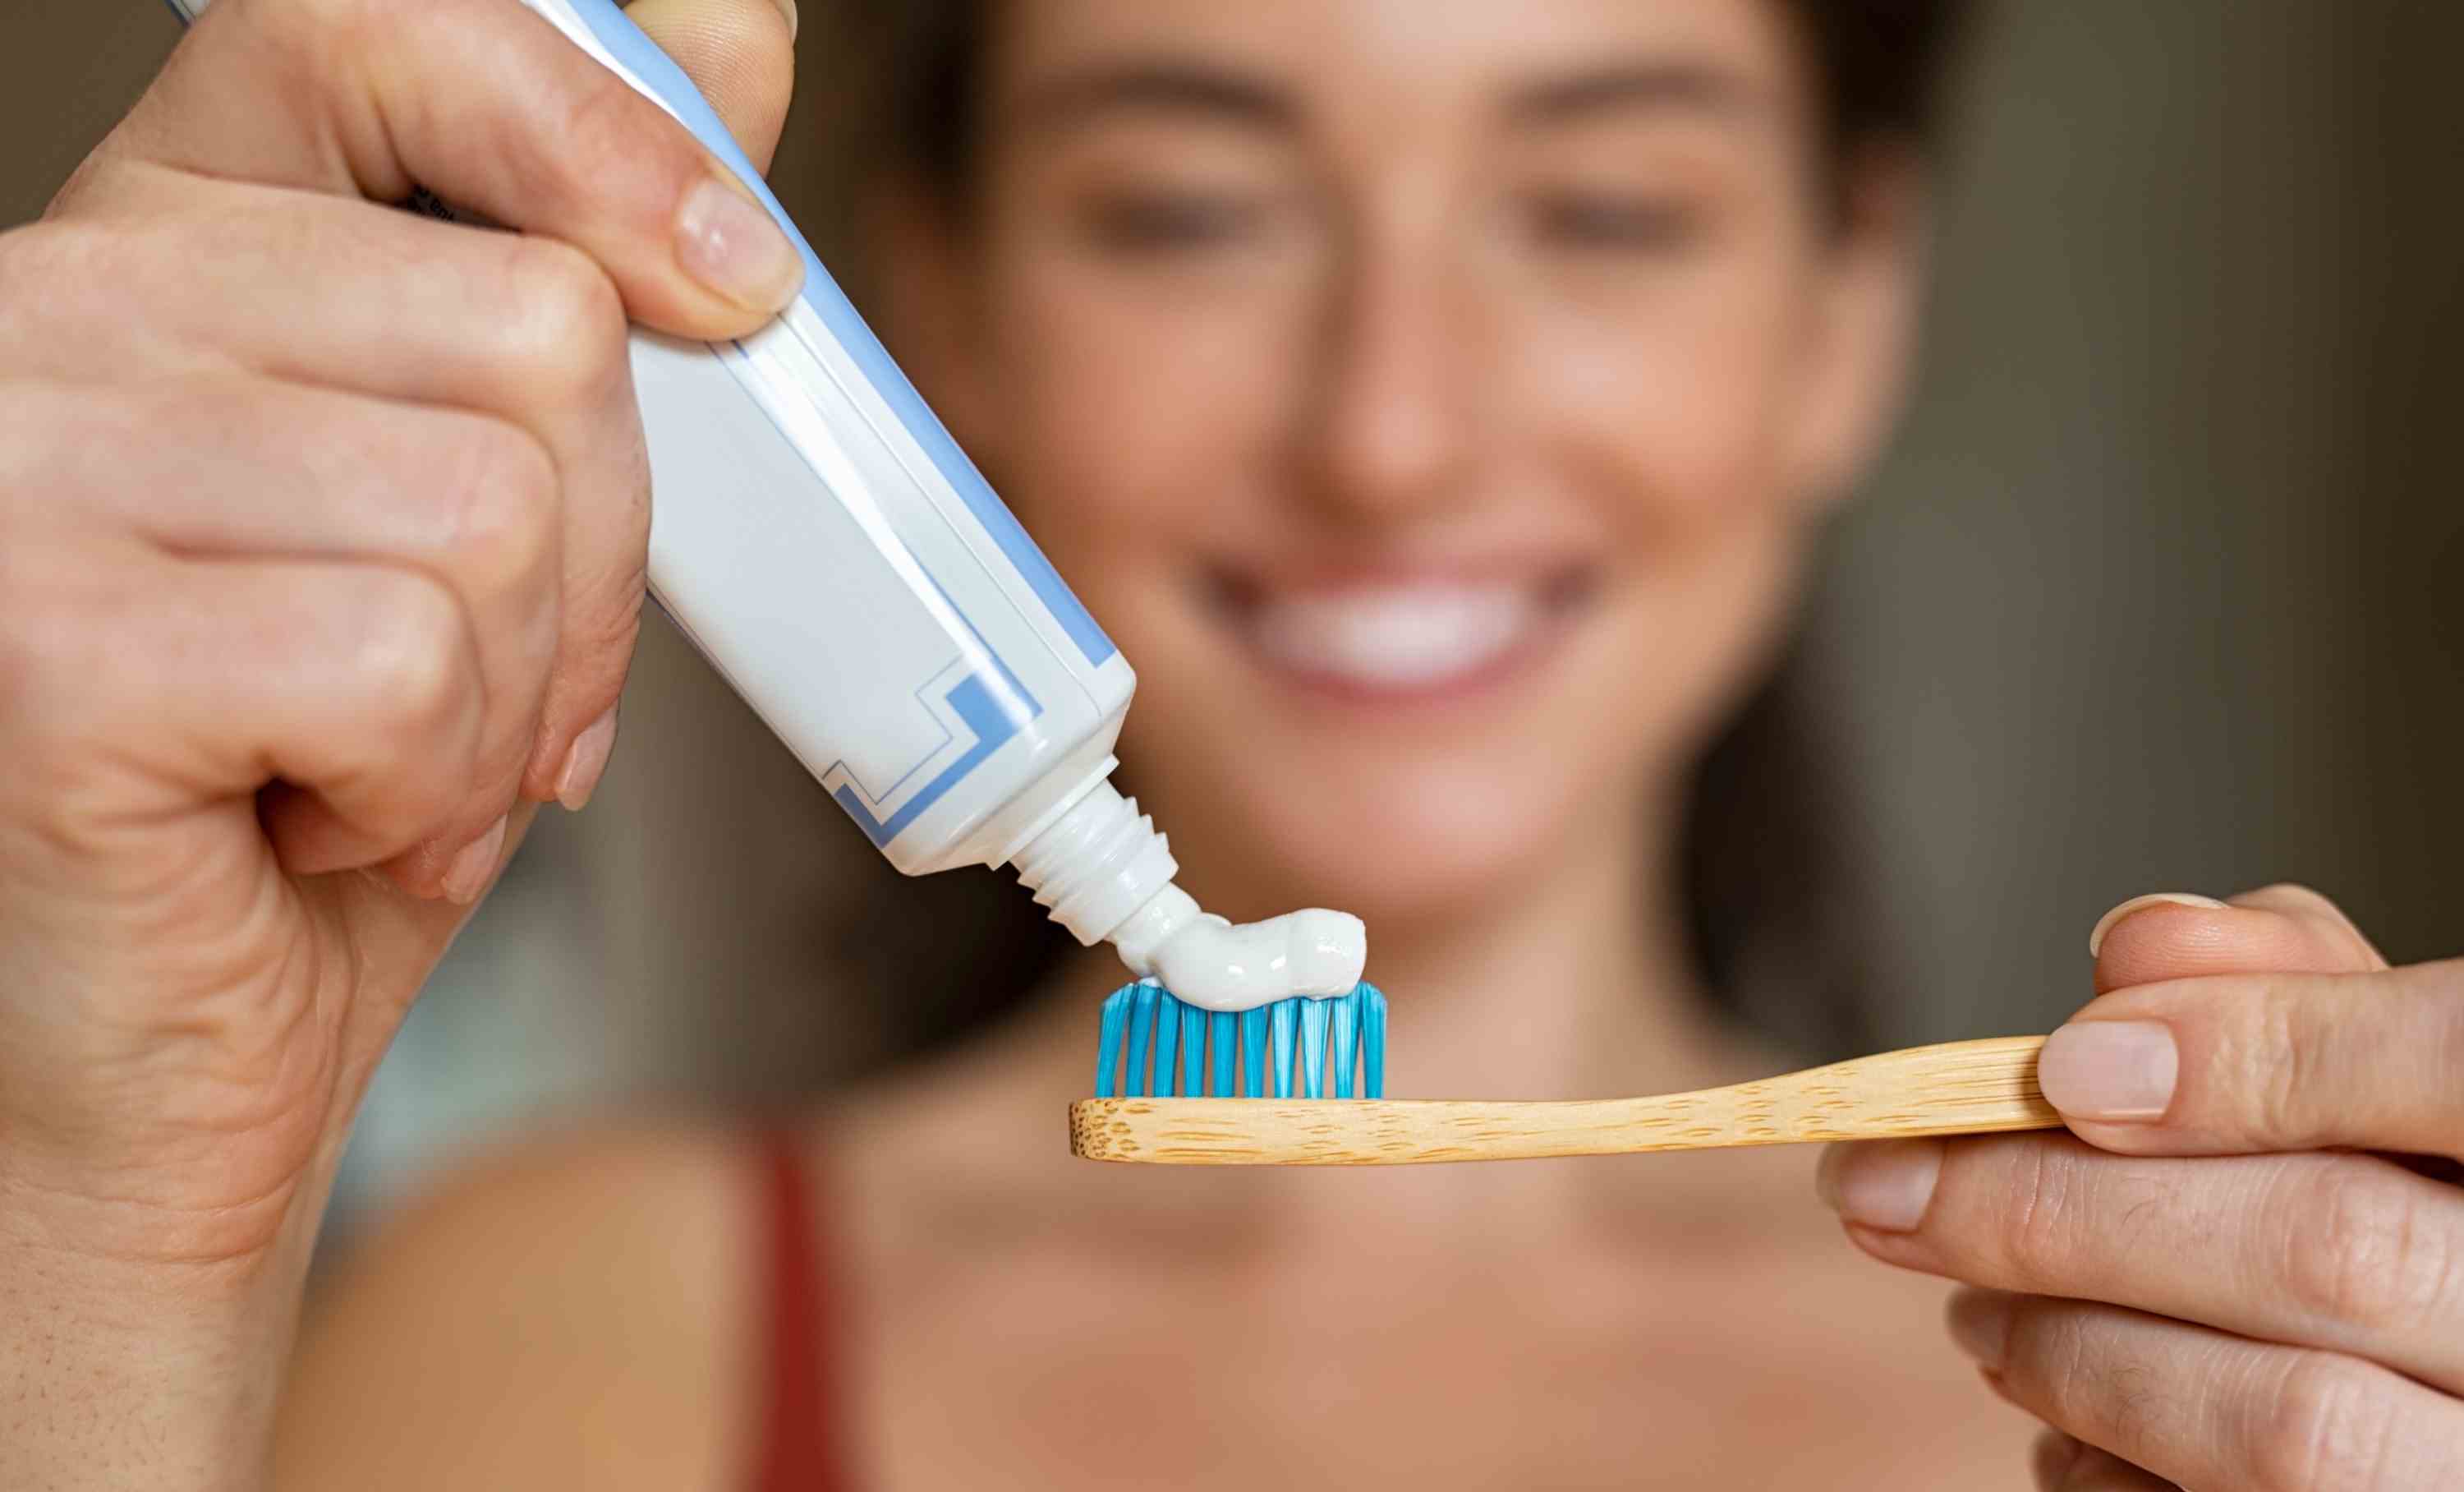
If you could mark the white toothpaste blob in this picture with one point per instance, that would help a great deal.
(1106, 875)
(1206, 961)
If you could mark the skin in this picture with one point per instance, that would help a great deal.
(323, 543)
(1395, 357)
(2242, 1278)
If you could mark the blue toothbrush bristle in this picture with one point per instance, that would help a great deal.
(1142, 1004)
(1193, 1051)
(1373, 1041)
(1220, 1026)
(1313, 1015)
(1347, 1024)
(1148, 1038)
(1283, 1018)
(1108, 1046)
(1253, 1053)
(1167, 1036)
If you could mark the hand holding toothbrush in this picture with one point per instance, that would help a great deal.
(321, 534)
(2243, 1266)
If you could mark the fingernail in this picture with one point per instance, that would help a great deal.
(787, 7)
(2140, 904)
(1883, 1183)
(727, 240)
(585, 761)
(1980, 1325)
(2110, 1069)
(468, 875)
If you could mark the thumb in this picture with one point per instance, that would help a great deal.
(741, 54)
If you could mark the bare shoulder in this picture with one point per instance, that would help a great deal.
(568, 1313)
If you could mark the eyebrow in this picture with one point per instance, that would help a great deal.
(1646, 85)
(1160, 86)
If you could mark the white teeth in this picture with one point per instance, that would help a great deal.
(1396, 636)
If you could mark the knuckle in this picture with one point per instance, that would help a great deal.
(2292, 896)
(564, 322)
(318, 24)
(2038, 1207)
(2272, 1053)
(409, 654)
(605, 621)
(2330, 933)
(2439, 988)
(2324, 1429)
(327, 29)
(32, 256)
(60, 271)
(505, 526)
(42, 647)
(63, 694)
(2116, 1401)
(2364, 1253)
(608, 132)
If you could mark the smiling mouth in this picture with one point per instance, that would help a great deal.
(1403, 638)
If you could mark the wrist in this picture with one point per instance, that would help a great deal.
(139, 1374)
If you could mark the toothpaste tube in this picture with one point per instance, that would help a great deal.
(828, 547)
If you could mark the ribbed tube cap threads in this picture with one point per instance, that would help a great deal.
(1097, 864)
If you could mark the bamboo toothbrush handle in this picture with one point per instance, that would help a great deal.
(1960, 1087)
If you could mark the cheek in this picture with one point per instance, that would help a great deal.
(1672, 416)
(1676, 403)
(1124, 417)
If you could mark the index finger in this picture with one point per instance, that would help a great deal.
(487, 106)
(2276, 929)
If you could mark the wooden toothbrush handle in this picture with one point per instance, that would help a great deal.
(1959, 1087)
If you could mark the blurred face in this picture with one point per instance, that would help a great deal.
(1433, 397)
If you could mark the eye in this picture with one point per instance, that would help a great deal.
(1160, 222)
(1610, 222)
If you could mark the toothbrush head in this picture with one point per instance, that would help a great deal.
(1194, 1052)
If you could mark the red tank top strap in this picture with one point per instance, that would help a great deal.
(796, 1448)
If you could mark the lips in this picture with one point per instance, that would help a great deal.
(1403, 637)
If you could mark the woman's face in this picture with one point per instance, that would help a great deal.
(1433, 399)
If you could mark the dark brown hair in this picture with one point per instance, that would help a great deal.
(1771, 884)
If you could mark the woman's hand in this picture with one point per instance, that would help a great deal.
(321, 540)
(2243, 1267)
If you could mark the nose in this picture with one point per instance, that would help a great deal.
(1391, 432)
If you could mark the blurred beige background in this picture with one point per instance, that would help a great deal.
(2163, 587)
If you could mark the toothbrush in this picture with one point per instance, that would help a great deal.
(1959, 1087)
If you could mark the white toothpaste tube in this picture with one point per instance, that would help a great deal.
(829, 548)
